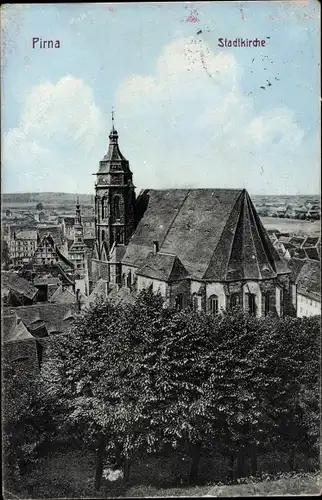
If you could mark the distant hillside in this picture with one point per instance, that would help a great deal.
(18, 199)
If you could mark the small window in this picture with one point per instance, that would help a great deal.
(213, 304)
(129, 280)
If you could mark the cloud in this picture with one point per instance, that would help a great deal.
(56, 144)
(190, 124)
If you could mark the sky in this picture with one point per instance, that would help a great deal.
(189, 114)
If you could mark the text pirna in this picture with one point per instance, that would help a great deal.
(39, 43)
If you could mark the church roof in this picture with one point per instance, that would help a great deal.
(216, 233)
(163, 267)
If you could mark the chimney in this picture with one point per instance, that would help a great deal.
(155, 247)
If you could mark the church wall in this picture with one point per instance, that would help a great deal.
(180, 287)
(100, 269)
(157, 285)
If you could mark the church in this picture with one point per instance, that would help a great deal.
(203, 248)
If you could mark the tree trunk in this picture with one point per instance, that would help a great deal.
(195, 451)
(241, 463)
(231, 467)
(253, 460)
(99, 464)
(126, 470)
(291, 460)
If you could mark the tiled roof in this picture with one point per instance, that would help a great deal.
(164, 267)
(26, 234)
(307, 275)
(19, 285)
(52, 315)
(311, 241)
(98, 293)
(14, 330)
(312, 253)
(63, 296)
(297, 241)
(216, 234)
(54, 231)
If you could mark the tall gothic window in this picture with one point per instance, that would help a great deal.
(213, 304)
(266, 304)
(251, 303)
(179, 301)
(234, 300)
(116, 207)
(104, 208)
(103, 235)
(195, 302)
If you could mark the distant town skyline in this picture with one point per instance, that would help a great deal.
(189, 113)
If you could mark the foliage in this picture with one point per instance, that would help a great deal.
(39, 206)
(132, 380)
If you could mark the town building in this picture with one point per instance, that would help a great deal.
(204, 248)
(78, 255)
(22, 245)
(306, 275)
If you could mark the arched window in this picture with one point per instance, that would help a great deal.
(213, 304)
(129, 280)
(195, 302)
(266, 304)
(104, 207)
(234, 300)
(179, 301)
(251, 303)
(116, 207)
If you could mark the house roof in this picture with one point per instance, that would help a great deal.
(163, 267)
(312, 253)
(311, 241)
(14, 330)
(306, 275)
(297, 241)
(53, 316)
(26, 234)
(63, 296)
(19, 285)
(54, 231)
(215, 233)
(99, 292)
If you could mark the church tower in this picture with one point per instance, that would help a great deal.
(114, 199)
(78, 253)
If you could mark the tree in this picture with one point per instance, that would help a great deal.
(135, 379)
(39, 206)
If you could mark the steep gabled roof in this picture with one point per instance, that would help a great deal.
(14, 330)
(215, 233)
(163, 267)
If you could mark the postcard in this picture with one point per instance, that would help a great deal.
(161, 249)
